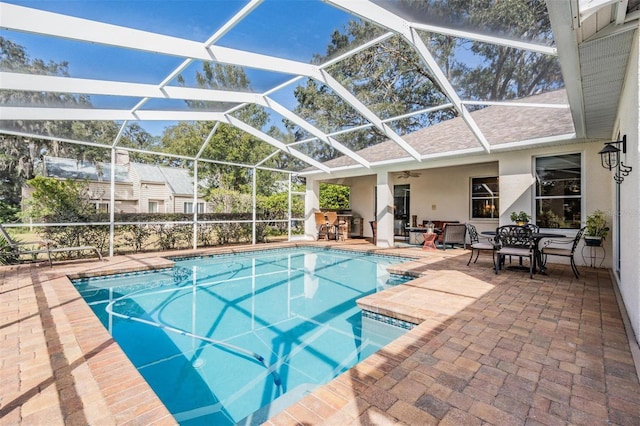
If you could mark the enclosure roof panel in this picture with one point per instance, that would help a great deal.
(318, 80)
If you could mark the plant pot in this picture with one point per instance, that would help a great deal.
(593, 241)
(521, 222)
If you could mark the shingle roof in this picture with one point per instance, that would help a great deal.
(148, 172)
(179, 180)
(500, 125)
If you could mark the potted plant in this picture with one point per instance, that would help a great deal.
(596, 228)
(521, 218)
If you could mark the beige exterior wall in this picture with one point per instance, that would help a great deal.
(629, 124)
(135, 197)
(362, 200)
(443, 191)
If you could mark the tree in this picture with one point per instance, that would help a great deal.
(334, 197)
(228, 144)
(136, 137)
(20, 156)
(60, 200)
(391, 79)
(68, 201)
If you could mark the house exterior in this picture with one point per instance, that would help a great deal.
(139, 188)
(530, 151)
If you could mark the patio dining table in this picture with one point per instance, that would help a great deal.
(538, 266)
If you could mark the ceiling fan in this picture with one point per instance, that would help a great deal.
(408, 174)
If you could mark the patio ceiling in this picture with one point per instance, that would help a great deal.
(279, 54)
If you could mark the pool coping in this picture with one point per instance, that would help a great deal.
(112, 399)
(362, 392)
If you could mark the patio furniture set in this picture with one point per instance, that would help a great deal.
(519, 241)
(331, 227)
(524, 242)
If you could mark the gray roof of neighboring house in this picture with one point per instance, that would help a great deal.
(148, 172)
(178, 180)
(499, 124)
(68, 168)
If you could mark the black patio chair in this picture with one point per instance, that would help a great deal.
(480, 243)
(552, 248)
(515, 241)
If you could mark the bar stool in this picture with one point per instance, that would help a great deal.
(429, 241)
(343, 230)
(322, 225)
(332, 225)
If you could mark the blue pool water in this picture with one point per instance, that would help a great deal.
(233, 339)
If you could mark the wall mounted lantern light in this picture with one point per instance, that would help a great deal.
(610, 158)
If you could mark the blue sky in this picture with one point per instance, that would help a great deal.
(295, 31)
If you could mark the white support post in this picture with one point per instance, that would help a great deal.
(311, 205)
(289, 210)
(253, 227)
(384, 213)
(195, 204)
(112, 201)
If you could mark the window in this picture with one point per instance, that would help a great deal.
(102, 207)
(559, 191)
(484, 198)
(153, 207)
(188, 207)
(401, 208)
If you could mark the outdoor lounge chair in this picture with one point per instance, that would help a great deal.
(33, 248)
(454, 233)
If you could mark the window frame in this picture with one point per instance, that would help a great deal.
(495, 212)
(580, 197)
(102, 207)
(200, 206)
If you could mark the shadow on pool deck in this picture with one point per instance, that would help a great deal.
(497, 349)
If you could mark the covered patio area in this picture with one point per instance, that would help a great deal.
(488, 349)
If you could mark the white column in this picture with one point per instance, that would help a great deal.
(384, 213)
(311, 205)
(195, 205)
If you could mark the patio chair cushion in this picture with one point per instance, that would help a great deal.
(482, 245)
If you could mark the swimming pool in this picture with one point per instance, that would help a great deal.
(231, 339)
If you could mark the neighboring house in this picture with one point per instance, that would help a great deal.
(139, 188)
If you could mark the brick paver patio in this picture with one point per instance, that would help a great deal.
(490, 349)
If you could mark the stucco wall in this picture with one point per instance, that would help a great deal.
(362, 200)
(443, 193)
(628, 124)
